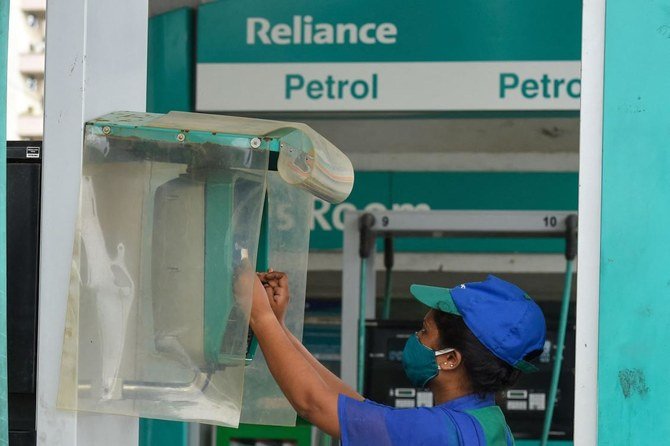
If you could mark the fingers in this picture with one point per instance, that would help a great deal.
(275, 279)
(272, 290)
(276, 287)
(275, 275)
(278, 284)
(278, 278)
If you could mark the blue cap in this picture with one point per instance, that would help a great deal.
(501, 315)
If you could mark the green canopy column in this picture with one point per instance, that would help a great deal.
(633, 386)
(169, 87)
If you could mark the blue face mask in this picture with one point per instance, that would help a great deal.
(419, 361)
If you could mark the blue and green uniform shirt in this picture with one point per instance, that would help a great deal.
(467, 421)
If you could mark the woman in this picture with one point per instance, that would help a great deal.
(474, 341)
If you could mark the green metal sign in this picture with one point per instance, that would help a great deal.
(450, 191)
(388, 55)
(170, 60)
(236, 31)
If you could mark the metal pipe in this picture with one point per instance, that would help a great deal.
(153, 390)
(388, 263)
(551, 402)
(366, 244)
(150, 390)
(361, 329)
(570, 254)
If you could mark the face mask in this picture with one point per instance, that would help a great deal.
(419, 361)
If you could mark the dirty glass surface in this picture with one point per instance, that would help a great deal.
(288, 222)
(160, 288)
(306, 159)
(311, 162)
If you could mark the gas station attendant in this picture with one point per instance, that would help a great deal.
(475, 340)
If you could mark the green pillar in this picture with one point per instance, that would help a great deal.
(162, 433)
(4, 27)
(169, 87)
(171, 62)
(633, 363)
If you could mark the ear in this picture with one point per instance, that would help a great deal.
(449, 361)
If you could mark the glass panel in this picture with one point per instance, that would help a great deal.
(159, 305)
(311, 162)
(306, 159)
(288, 222)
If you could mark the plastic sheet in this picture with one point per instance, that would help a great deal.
(306, 159)
(288, 222)
(311, 162)
(164, 254)
(159, 299)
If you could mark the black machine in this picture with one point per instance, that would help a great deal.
(524, 405)
(24, 168)
(385, 380)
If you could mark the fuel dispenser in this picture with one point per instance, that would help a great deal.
(166, 248)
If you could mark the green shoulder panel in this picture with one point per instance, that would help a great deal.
(493, 423)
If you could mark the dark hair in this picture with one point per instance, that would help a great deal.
(487, 372)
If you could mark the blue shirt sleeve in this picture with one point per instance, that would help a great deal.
(364, 423)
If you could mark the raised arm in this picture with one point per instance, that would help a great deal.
(277, 288)
(331, 380)
(309, 395)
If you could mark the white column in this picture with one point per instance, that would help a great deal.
(351, 279)
(588, 277)
(96, 62)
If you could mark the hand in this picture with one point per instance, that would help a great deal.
(260, 306)
(277, 288)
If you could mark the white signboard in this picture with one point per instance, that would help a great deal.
(388, 86)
